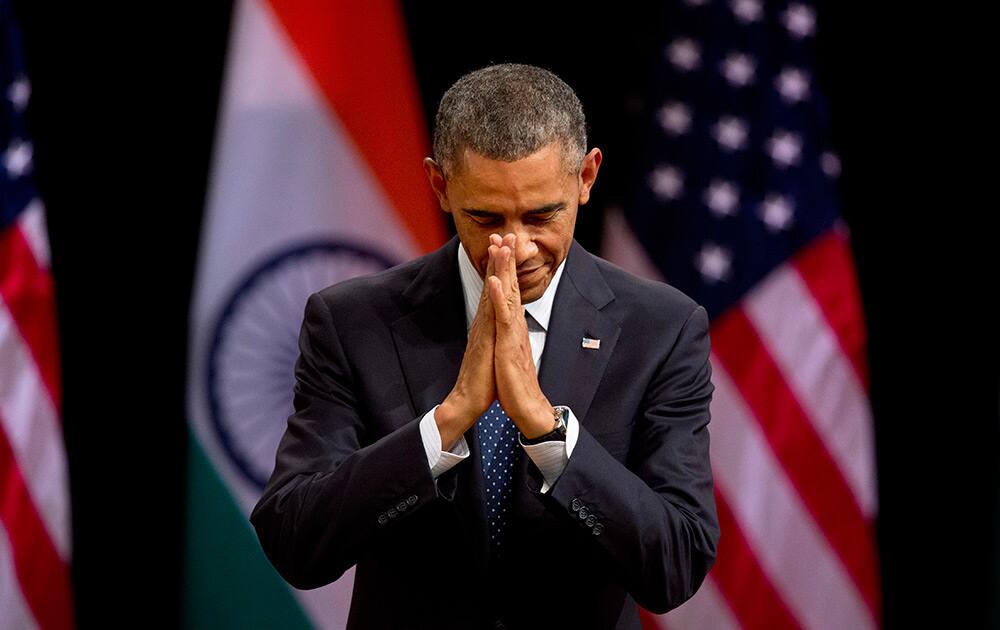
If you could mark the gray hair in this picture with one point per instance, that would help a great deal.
(507, 112)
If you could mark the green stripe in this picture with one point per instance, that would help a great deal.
(228, 582)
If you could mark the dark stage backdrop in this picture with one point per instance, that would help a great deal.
(123, 114)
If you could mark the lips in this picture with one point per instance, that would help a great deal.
(528, 272)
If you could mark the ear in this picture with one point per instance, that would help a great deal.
(588, 173)
(435, 175)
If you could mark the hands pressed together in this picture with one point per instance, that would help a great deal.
(498, 364)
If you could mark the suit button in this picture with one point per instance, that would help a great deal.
(383, 519)
(401, 506)
(576, 504)
(591, 520)
(392, 512)
(583, 513)
(412, 499)
(598, 528)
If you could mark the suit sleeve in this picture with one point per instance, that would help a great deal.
(656, 517)
(334, 489)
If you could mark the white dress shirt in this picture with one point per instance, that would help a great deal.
(552, 456)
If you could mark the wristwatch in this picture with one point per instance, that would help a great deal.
(561, 416)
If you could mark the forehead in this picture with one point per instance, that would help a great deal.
(541, 176)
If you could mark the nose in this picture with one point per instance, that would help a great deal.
(526, 248)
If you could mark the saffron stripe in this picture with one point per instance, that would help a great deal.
(359, 56)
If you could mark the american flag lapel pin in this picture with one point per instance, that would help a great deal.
(591, 344)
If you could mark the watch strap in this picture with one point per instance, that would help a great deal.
(561, 419)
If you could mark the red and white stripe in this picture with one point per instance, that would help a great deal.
(792, 449)
(35, 543)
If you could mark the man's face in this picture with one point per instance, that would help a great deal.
(535, 198)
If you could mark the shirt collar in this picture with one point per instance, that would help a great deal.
(472, 286)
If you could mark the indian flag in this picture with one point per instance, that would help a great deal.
(316, 178)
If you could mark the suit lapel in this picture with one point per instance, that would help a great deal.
(570, 373)
(430, 341)
(430, 337)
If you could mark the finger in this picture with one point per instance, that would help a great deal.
(502, 267)
(500, 310)
(491, 264)
(491, 260)
(515, 290)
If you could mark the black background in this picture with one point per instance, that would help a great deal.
(123, 112)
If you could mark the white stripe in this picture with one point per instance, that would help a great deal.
(706, 610)
(805, 571)
(32, 224)
(14, 611)
(621, 247)
(35, 434)
(795, 331)
(285, 171)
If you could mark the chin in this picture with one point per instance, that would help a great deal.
(531, 294)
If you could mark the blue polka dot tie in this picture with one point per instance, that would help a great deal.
(497, 440)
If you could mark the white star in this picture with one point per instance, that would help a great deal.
(800, 20)
(713, 262)
(731, 133)
(738, 69)
(667, 182)
(830, 164)
(684, 53)
(776, 212)
(721, 197)
(675, 118)
(784, 148)
(793, 84)
(19, 92)
(17, 158)
(746, 10)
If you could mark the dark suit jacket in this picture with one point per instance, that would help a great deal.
(351, 483)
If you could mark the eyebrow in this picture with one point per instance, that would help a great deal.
(552, 207)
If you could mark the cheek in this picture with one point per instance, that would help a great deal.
(554, 243)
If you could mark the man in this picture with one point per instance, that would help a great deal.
(473, 478)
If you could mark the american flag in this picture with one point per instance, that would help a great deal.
(34, 492)
(737, 208)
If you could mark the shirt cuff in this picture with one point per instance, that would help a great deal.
(552, 456)
(438, 460)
